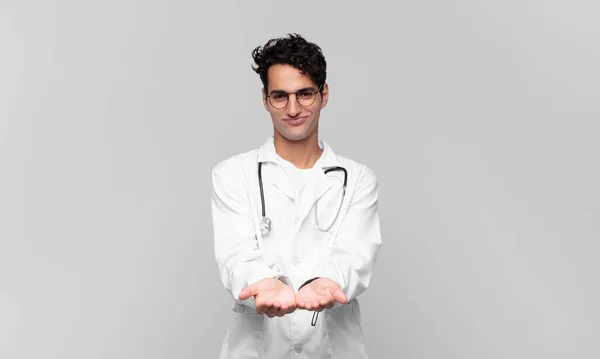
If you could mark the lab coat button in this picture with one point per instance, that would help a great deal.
(298, 348)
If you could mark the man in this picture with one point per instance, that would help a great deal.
(290, 240)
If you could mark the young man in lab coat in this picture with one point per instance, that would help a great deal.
(320, 251)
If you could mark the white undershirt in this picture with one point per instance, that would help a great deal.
(299, 177)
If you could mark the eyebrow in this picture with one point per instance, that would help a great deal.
(285, 92)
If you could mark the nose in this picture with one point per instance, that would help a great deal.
(293, 107)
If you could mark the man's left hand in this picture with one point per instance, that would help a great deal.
(320, 294)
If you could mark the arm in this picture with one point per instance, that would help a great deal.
(351, 260)
(240, 260)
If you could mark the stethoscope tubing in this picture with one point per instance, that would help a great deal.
(262, 194)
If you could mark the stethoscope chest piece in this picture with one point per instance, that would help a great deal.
(265, 226)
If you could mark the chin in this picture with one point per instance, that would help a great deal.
(294, 136)
(298, 135)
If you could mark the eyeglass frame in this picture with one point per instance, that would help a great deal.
(293, 93)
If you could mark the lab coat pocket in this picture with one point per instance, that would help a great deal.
(344, 330)
(246, 333)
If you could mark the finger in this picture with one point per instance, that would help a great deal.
(273, 307)
(326, 303)
(291, 305)
(282, 311)
(248, 292)
(306, 305)
(291, 308)
(318, 307)
(272, 312)
(339, 295)
(262, 307)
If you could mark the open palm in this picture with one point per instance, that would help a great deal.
(272, 297)
(320, 294)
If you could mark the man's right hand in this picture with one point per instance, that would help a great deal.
(272, 296)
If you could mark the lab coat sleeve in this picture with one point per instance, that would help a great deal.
(352, 258)
(239, 258)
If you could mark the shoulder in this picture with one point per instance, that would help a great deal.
(361, 172)
(235, 166)
(356, 169)
(232, 174)
(363, 186)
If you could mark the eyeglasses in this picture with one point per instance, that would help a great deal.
(305, 97)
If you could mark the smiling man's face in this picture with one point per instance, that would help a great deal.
(294, 122)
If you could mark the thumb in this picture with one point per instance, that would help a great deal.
(339, 295)
(247, 292)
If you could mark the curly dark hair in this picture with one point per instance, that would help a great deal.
(292, 50)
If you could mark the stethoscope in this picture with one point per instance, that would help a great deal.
(265, 224)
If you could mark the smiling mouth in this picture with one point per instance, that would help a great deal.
(295, 121)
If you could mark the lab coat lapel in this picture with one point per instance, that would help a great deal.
(320, 184)
(314, 189)
(283, 183)
(273, 174)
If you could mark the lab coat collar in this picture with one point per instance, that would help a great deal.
(267, 153)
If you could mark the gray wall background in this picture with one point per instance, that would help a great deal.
(479, 117)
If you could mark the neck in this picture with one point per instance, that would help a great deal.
(302, 154)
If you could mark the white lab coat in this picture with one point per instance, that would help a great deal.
(294, 250)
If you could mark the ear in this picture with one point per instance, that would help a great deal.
(325, 95)
(264, 99)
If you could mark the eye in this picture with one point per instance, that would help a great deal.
(279, 96)
(305, 94)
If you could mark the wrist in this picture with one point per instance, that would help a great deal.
(308, 282)
(283, 279)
